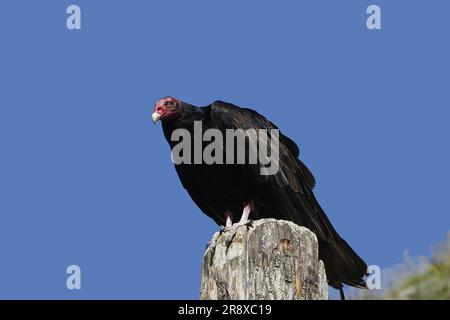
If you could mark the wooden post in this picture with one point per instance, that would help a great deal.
(271, 259)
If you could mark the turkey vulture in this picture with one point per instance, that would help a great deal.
(235, 192)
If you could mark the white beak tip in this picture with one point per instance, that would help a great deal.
(155, 117)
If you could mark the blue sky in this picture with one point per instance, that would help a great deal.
(86, 178)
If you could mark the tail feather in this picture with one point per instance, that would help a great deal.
(342, 264)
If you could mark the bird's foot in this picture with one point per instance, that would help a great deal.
(232, 230)
(248, 223)
(235, 226)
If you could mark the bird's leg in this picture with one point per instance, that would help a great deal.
(245, 214)
(229, 228)
(228, 221)
(244, 221)
(232, 229)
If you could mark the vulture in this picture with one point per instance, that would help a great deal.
(231, 191)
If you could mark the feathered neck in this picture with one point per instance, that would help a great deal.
(186, 119)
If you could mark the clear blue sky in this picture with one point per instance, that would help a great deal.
(86, 179)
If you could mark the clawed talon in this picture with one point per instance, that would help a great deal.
(230, 229)
(248, 223)
(235, 226)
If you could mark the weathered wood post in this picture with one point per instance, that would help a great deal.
(272, 259)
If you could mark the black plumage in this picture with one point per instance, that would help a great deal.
(288, 195)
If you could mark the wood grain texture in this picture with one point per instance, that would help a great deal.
(271, 259)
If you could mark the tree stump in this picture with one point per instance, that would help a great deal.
(271, 259)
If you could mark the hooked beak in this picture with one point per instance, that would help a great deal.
(155, 117)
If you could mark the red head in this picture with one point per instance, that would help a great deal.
(166, 108)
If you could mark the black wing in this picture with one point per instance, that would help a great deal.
(288, 195)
